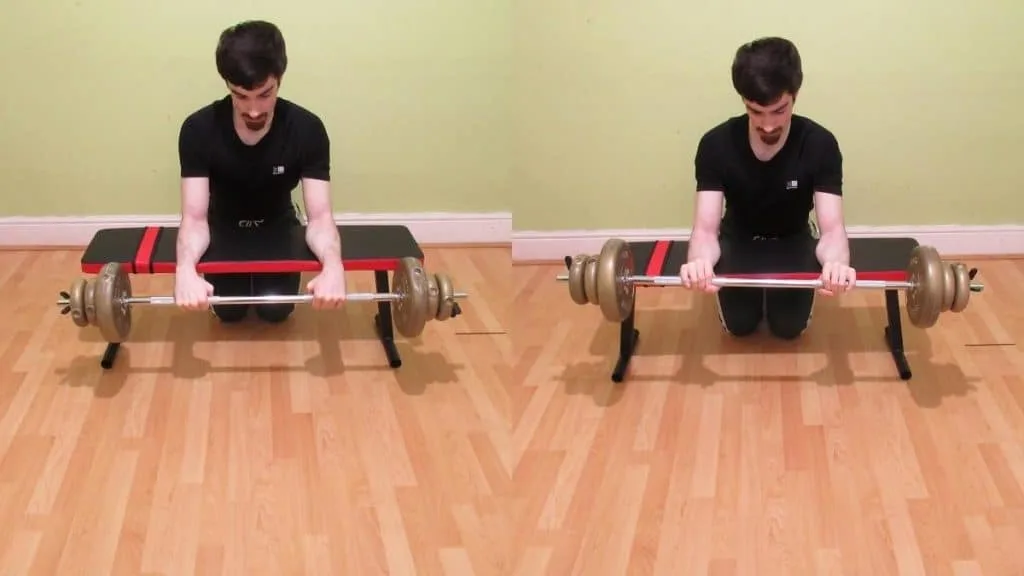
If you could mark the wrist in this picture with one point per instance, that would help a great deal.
(185, 269)
(333, 265)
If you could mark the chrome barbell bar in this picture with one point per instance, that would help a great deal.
(267, 299)
(733, 281)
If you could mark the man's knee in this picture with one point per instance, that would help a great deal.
(274, 313)
(230, 313)
(276, 284)
(787, 328)
(741, 325)
(789, 313)
(740, 310)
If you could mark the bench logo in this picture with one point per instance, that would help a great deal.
(250, 223)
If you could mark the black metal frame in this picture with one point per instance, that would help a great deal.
(629, 336)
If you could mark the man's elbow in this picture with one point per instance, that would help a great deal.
(192, 220)
(320, 219)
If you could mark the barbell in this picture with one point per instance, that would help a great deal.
(607, 280)
(106, 301)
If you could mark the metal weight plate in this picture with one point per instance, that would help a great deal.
(948, 287)
(962, 281)
(412, 308)
(590, 280)
(76, 301)
(89, 302)
(113, 316)
(446, 297)
(433, 296)
(576, 289)
(615, 293)
(924, 300)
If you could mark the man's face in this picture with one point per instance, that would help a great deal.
(255, 108)
(770, 122)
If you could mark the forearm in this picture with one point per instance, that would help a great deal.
(193, 240)
(323, 240)
(833, 246)
(704, 245)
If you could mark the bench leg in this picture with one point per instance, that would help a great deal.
(894, 334)
(384, 322)
(628, 338)
(109, 355)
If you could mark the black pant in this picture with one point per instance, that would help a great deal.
(263, 284)
(787, 311)
(254, 285)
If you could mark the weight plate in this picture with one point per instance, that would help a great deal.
(113, 315)
(446, 297)
(576, 290)
(615, 293)
(590, 280)
(433, 297)
(962, 281)
(948, 287)
(924, 300)
(89, 302)
(411, 309)
(76, 301)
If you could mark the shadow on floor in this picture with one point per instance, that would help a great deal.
(305, 329)
(689, 337)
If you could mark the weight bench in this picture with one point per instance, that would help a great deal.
(882, 259)
(153, 250)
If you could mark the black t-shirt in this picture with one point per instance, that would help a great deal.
(772, 198)
(253, 183)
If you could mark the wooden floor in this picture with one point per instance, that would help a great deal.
(757, 457)
(248, 450)
(501, 446)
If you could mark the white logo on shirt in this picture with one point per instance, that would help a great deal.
(792, 184)
(277, 170)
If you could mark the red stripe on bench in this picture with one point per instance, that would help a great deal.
(144, 254)
(658, 254)
(276, 266)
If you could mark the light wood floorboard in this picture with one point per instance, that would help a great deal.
(290, 449)
(502, 446)
(725, 456)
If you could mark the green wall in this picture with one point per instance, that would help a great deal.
(924, 98)
(568, 114)
(415, 96)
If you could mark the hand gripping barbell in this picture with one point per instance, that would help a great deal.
(608, 280)
(107, 300)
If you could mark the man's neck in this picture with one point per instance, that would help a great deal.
(765, 152)
(251, 137)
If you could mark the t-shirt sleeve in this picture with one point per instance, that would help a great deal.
(829, 175)
(316, 161)
(192, 151)
(708, 166)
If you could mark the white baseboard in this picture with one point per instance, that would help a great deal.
(949, 240)
(428, 228)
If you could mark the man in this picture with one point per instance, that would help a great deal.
(766, 170)
(241, 157)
